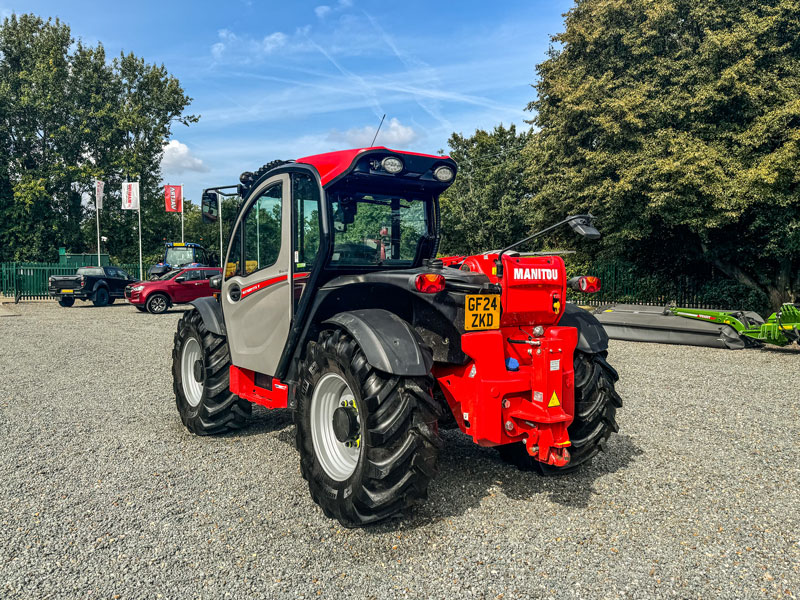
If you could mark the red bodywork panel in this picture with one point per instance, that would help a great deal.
(243, 384)
(535, 403)
(332, 164)
(498, 402)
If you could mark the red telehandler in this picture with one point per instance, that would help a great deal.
(334, 306)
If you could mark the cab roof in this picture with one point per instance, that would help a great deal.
(331, 165)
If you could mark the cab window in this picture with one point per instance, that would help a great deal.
(306, 227)
(257, 243)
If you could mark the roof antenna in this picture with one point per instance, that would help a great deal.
(378, 130)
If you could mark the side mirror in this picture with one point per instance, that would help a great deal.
(582, 225)
(215, 283)
(209, 206)
(180, 279)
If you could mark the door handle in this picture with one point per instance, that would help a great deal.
(235, 293)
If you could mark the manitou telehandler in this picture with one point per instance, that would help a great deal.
(334, 305)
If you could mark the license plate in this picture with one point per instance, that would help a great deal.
(482, 311)
(67, 291)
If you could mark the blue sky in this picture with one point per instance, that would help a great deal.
(287, 79)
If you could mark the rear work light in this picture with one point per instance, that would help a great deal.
(585, 283)
(429, 283)
(392, 164)
(443, 174)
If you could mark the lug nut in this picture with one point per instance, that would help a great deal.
(538, 331)
(506, 403)
(509, 425)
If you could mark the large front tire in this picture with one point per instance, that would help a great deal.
(596, 404)
(392, 441)
(200, 374)
(66, 301)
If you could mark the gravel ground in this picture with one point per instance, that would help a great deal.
(105, 495)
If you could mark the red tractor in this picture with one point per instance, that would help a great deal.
(333, 305)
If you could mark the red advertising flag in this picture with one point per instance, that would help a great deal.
(173, 198)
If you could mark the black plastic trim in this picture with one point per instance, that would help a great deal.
(592, 338)
(390, 344)
(211, 312)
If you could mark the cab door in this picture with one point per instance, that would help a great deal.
(256, 292)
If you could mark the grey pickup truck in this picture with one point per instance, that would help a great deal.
(101, 285)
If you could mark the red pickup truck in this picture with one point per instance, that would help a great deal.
(176, 287)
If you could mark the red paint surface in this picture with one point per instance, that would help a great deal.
(332, 164)
(493, 396)
(243, 384)
(246, 291)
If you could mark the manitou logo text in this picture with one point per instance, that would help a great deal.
(535, 274)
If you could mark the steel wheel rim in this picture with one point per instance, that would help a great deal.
(158, 304)
(337, 460)
(192, 389)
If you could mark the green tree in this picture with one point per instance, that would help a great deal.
(677, 123)
(68, 116)
(483, 209)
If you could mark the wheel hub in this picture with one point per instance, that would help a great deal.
(198, 370)
(192, 371)
(345, 423)
(335, 427)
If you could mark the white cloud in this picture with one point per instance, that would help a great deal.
(273, 41)
(230, 43)
(322, 11)
(392, 133)
(178, 159)
(345, 3)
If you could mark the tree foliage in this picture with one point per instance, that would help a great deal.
(677, 123)
(483, 209)
(69, 116)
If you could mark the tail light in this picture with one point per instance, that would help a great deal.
(585, 283)
(83, 281)
(429, 283)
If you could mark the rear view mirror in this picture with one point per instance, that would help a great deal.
(180, 279)
(215, 283)
(582, 225)
(210, 207)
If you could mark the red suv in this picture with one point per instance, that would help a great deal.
(176, 287)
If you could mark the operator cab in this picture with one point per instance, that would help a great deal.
(304, 223)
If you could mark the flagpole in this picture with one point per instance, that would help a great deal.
(221, 250)
(182, 202)
(141, 277)
(97, 206)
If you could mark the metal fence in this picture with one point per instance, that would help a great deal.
(28, 281)
(622, 284)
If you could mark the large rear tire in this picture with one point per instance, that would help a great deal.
(66, 301)
(200, 375)
(368, 440)
(596, 404)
